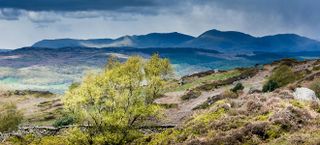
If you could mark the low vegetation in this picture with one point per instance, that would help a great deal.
(10, 117)
(113, 104)
(315, 86)
(117, 106)
(237, 87)
(195, 81)
(244, 73)
(282, 76)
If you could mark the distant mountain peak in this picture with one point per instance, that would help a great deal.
(217, 33)
(212, 39)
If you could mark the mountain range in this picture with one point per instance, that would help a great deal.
(224, 41)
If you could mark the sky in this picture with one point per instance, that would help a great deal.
(23, 23)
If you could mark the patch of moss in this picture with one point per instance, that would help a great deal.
(263, 117)
(297, 103)
(208, 117)
(274, 131)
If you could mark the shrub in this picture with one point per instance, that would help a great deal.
(237, 87)
(65, 120)
(270, 86)
(229, 94)
(315, 86)
(283, 75)
(10, 118)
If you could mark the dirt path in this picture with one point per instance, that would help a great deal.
(184, 108)
(257, 81)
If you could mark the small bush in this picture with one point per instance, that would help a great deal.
(65, 120)
(270, 86)
(237, 87)
(283, 75)
(10, 117)
(229, 94)
(315, 86)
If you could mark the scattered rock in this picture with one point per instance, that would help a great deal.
(254, 90)
(305, 94)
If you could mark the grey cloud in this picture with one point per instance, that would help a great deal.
(9, 14)
(74, 5)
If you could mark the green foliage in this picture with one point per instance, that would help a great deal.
(316, 68)
(237, 87)
(297, 103)
(115, 102)
(315, 86)
(10, 117)
(229, 94)
(264, 117)
(64, 120)
(270, 86)
(274, 131)
(207, 79)
(283, 75)
(157, 71)
(50, 140)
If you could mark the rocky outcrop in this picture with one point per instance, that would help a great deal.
(305, 94)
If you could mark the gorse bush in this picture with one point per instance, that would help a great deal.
(63, 121)
(315, 86)
(115, 102)
(270, 86)
(280, 77)
(10, 118)
(283, 75)
(237, 87)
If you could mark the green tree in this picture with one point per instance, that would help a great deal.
(157, 71)
(117, 101)
(10, 117)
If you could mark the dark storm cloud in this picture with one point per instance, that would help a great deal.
(13, 9)
(296, 11)
(293, 10)
(74, 5)
(114, 18)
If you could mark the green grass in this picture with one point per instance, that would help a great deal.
(209, 78)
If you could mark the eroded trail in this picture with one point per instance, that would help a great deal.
(184, 108)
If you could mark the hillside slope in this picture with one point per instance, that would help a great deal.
(208, 113)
